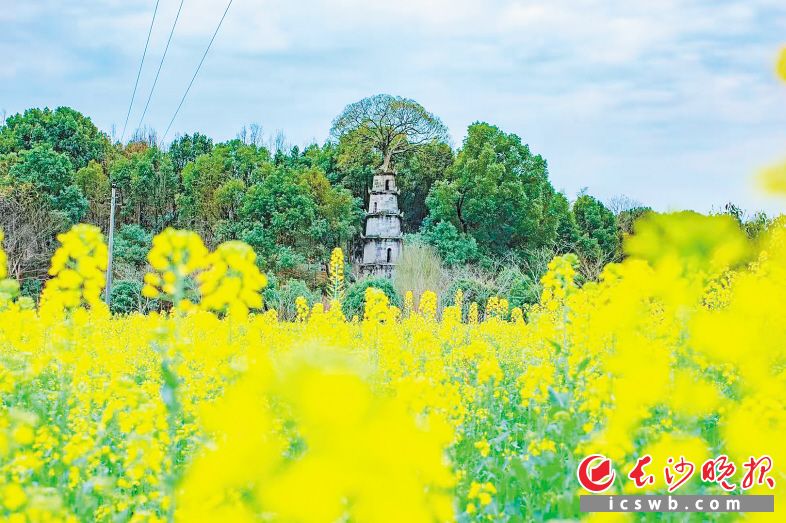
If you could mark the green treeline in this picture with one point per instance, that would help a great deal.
(485, 212)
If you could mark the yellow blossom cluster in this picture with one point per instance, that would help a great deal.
(336, 274)
(9, 287)
(78, 270)
(301, 307)
(423, 416)
(497, 307)
(377, 306)
(559, 281)
(482, 492)
(176, 257)
(232, 281)
(773, 178)
(472, 315)
(427, 305)
(409, 302)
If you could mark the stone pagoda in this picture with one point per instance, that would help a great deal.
(382, 242)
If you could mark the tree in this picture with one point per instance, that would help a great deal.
(147, 186)
(293, 218)
(355, 165)
(30, 229)
(50, 174)
(7, 161)
(389, 124)
(753, 225)
(599, 242)
(214, 186)
(251, 134)
(338, 214)
(568, 235)
(454, 247)
(497, 192)
(248, 163)
(65, 130)
(47, 170)
(71, 203)
(325, 157)
(620, 203)
(198, 202)
(187, 148)
(95, 186)
(626, 220)
(418, 171)
(352, 162)
(281, 206)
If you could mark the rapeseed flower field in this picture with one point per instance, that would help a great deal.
(215, 410)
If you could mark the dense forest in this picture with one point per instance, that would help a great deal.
(483, 217)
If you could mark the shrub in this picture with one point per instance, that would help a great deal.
(519, 288)
(356, 295)
(455, 248)
(132, 244)
(523, 292)
(288, 293)
(271, 297)
(127, 298)
(32, 287)
(474, 289)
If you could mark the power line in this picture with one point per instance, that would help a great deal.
(197, 70)
(161, 64)
(139, 73)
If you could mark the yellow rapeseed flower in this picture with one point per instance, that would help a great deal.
(780, 67)
(13, 496)
(207, 416)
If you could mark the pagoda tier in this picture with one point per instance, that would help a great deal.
(382, 244)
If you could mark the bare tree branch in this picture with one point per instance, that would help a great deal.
(620, 203)
(30, 229)
(390, 124)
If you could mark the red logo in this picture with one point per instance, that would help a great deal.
(683, 470)
(639, 475)
(596, 474)
(593, 471)
(763, 465)
(717, 470)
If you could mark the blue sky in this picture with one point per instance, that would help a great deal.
(673, 103)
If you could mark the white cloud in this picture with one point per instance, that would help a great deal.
(616, 94)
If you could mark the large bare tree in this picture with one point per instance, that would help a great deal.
(389, 124)
(30, 232)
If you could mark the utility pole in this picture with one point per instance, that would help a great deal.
(108, 295)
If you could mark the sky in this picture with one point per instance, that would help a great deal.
(672, 103)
